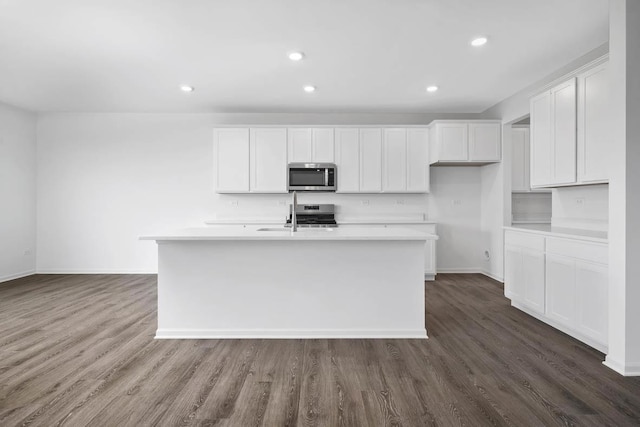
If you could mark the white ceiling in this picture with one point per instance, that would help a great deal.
(363, 55)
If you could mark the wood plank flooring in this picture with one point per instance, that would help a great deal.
(78, 350)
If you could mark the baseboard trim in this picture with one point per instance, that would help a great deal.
(493, 276)
(45, 271)
(17, 276)
(630, 370)
(289, 334)
(460, 270)
(564, 329)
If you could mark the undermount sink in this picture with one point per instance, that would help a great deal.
(300, 229)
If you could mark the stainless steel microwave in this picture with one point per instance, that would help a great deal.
(311, 177)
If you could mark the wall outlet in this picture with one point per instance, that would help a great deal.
(281, 202)
(399, 202)
(27, 252)
(456, 202)
(365, 202)
(580, 201)
(233, 203)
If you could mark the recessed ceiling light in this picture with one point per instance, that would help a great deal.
(309, 89)
(478, 41)
(296, 56)
(432, 88)
(186, 88)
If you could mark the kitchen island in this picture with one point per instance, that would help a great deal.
(273, 283)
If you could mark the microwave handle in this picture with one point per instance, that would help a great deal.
(326, 177)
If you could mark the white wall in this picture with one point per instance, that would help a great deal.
(17, 192)
(455, 204)
(105, 179)
(585, 207)
(492, 219)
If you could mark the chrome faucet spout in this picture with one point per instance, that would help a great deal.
(294, 216)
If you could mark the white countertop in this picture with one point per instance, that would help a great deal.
(365, 221)
(571, 233)
(280, 233)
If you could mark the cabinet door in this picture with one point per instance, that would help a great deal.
(394, 161)
(231, 160)
(299, 144)
(520, 159)
(533, 279)
(513, 284)
(484, 142)
(417, 160)
(541, 142)
(453, 142)
(592, 300)
(370, 160)
(561, 289)
(268, 160)
(563, 101)
(593, 125)
(322, 148)
(347, 160)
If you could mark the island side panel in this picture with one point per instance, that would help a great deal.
(291, 289)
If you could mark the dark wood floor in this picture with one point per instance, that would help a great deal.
(79, 350)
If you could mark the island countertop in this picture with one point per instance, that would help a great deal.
(281, 233)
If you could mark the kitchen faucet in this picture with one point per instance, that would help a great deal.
(294, 217)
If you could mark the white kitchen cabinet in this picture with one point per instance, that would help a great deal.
(524, 270)
(452, 141)
(465, 142)
(561, 289)
(231, 160)
(520, 159)
(541, 141)
(370, 160)
(561, 281)
(553, 136)
(347, 146)
(592, 312)
(394, 166)
(299, 144)
(417, 160)
(593, 125)
(484, 142)
(268, 160)
(570, 126)
(563, 113)
(311, 145)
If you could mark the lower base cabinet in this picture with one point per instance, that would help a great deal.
(561, 281)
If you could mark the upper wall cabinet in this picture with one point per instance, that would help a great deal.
(268, 160)
(231, 160)
(388, 160)
(553, 136)
(250, 160)
(405, 160)
(369, 160)
(455, 142)
(311, 145)
(569, 126)
(593, 125)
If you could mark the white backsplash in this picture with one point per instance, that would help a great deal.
(531, 207)
(585, 207)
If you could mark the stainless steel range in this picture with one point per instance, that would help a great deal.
(314, 216)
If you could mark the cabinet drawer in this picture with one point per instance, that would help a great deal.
(588, 251)
(524, 240)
